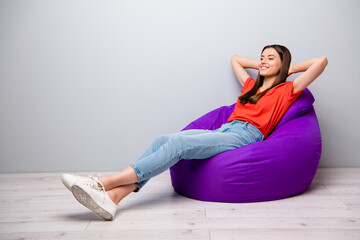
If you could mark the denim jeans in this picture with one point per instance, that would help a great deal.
(167, 150)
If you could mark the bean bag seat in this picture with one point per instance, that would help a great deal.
(281, 166)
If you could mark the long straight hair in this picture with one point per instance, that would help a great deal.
(285, 57)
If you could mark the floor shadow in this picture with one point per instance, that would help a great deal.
(81, 216)
(313, 188)
(150, 200)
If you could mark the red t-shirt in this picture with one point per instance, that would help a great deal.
(270, 108)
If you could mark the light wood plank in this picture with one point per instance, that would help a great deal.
(276, 234)
(299, 212)
(350, 201)
(34, 226)
(168, 222)
(173, 234)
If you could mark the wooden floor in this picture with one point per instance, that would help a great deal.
(38, 206)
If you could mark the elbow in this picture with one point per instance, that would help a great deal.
(323, 61)
(233, 58)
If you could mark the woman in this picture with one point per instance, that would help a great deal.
(259, 108)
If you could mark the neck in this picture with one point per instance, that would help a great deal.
(268, 82)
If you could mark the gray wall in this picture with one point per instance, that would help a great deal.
(87, 85)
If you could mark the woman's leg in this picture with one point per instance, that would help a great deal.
(128, 175)
(164, 153)
(119, 193)
(125, 177)
(121, 184)
(192, 144)
(200, 145)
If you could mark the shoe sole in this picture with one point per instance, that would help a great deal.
(85, 199)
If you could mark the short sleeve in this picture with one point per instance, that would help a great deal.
(293, 96)
(249, 83)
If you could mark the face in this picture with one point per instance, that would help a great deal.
(270, 63)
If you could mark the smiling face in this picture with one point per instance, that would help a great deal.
(270, 63)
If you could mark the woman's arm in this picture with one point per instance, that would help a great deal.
(239, 64)
(313, 68)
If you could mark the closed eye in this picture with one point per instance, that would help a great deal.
(268, 58)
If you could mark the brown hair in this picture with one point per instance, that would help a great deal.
(285, 57)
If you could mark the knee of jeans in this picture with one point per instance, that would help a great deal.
(161, 140)
(173, 141)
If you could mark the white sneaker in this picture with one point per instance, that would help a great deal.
(69, 180)
(96, 199)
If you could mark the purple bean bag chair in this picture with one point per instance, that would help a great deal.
(281, 166)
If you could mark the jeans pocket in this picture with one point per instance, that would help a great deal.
(258, 136)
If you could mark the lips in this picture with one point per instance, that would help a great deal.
(263, 68)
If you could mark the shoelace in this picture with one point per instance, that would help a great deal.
(92, 181)
(100, 188)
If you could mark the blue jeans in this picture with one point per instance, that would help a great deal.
(167, 150)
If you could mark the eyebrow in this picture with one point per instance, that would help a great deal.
(268, 55)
